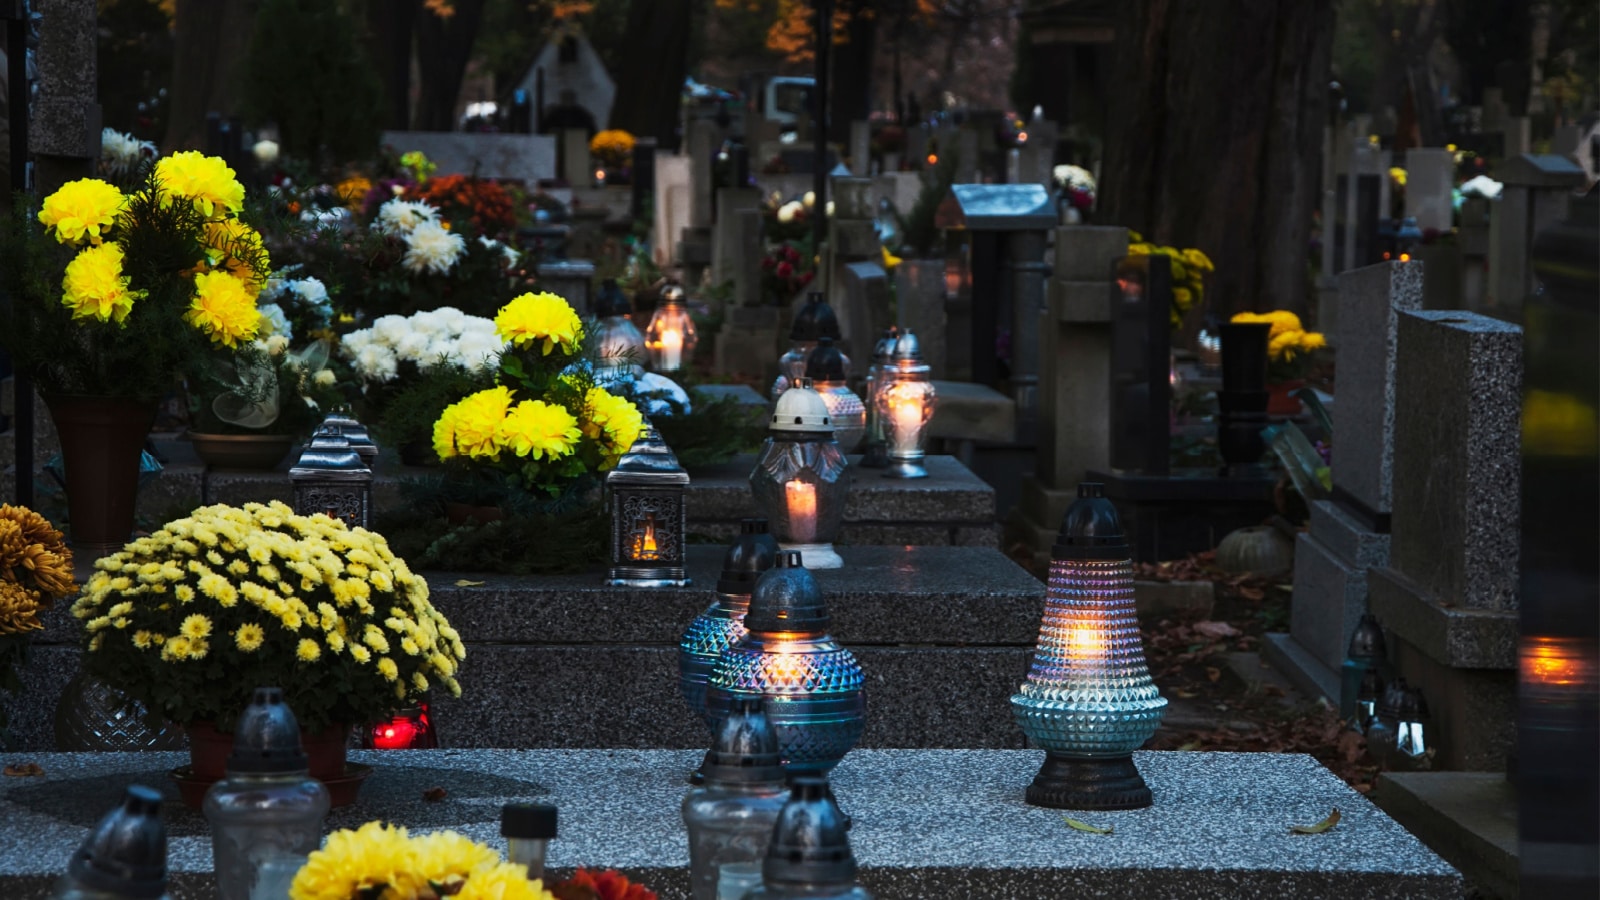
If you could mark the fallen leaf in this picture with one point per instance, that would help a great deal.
(1192, 745)
(1320, 827)
(1216, 630)
(1185, 695)
(1213, 673)
(462, 582)
(434, 794)
(23, 770)
(1084, 826)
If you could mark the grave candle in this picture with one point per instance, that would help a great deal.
(671, 345)
(670, 337)
(905, 401)
(906, 414)
(802, 501)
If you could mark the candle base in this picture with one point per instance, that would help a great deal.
(1077, 783)
(905, 468)
(816, 556)
(628, 576)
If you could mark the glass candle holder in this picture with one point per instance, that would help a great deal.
(813, 322)
(874, 450)
(800, 479)
(730, 817)
(1089, 700)
(670, 337)
(905, 400)
(825, 368)
(619, 344)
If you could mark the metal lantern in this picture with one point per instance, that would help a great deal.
(670, 336)
(356, 433)
(1366, 653)
(905, 402)
(800, 479)
(815, 320)
(619, 345)
(1410, 718)
(648, 518)
(1089, 700)
(809, 854)
(331, 478)
(721, 625)
(814, 687)
(825, 368)
(875, 452)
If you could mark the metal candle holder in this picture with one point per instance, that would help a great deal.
(813, 322)
(801, 479)
(875, 452)
(1089, 700)
(670, 337)
(813, 687)
(905, 400)
(648, 518)
(330, 478)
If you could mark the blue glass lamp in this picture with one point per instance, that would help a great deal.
(1089, 700)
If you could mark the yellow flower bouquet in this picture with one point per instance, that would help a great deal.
(191, 618)
(110, 294)
(612, 148)
(1189, 266)
(383, 862)
(1289, 345)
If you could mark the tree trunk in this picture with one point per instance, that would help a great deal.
(209, 38)
(391, 24)
(444, 47)
(655, 59)
(1216, 141)
(852, 71)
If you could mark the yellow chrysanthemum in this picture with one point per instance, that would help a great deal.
(538, 429)
(204, 180)
(175, 649)
(1198, 260)
(359, 653)
(1312, 340)
(19, 609)
(1558, 424)
(249, 637)
(236, 248)
(307, 650)
(532, 318)
(352, 191)
(469, 426)
(223, 308)
(357, 863)
(82, 209)
(94, 286)
(445, 856)
(195, 627)
(612, 420)
(388, 669)
(504, 881)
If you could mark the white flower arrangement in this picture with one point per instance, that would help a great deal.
(426, 339)
(401, 217)
(122, 155)
(430, 247)
(1076, 177)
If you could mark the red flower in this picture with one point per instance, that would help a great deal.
(768, 262)
(785, 269)
(586, 884)
(805, 278)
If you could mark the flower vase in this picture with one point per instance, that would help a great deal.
(1281, 400)
(326, 754)
(102, 439)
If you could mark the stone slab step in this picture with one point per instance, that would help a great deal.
(1469, 818)
(926, 823)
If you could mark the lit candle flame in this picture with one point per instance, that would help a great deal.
(670, 347)
(644, 544)
(802, 502)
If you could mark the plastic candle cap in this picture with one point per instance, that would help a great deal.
(126, 853)
(825, 363)
(672, 295)
(266, 738)
(1091, 529)
(801, 409)
(754, 551)
(815, 320)
(1367, 640)
(746, 748)
(810, 844)
(788, 598)
(528, 821)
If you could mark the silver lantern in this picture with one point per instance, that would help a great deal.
(648, 518)
(904, 399)
(801, 478)
(356, 433)
(330, 478)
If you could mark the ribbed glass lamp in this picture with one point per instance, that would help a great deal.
(1089, 701)
(825, 368)
(813, 687)
(721, 625)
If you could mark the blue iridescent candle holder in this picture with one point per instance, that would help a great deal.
(1089, 701)
(813, 687)
(721, 625)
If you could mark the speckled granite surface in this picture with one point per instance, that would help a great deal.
(928, 823)
(944, 635)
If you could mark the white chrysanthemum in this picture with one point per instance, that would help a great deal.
(377, 363)
(122, 154)
(325, 217)
(480, 352)
(401, 217)
(311, 291)
(274, 287)
(510, 253)
(274, 322)
(266, 152)
(414, 346)
(430, 248)
(390, 329)
(277, 344)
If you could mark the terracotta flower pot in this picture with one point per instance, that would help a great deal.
(101, 442)
(248, 452)
(326, 753)
(1281, 400)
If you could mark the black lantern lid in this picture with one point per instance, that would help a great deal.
(266, 738)
(611, 301)
(815, 320)
(825, 363)
(1412, 707)
(1394, 697)
(1367, 640)
(746, 747)
(1371, 687)
(126, 853)
(672, 295)
(329, 455)
(1091, 529)
(810, 844)
(648, 462)
(528, 821)
(754, 551)
(787, 598)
